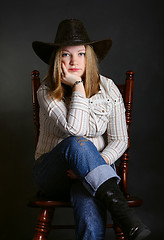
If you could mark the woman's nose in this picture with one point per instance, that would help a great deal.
(73, 60)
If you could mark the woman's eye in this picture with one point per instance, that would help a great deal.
(65, 54)
(82, 54)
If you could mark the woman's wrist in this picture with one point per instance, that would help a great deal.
(76, 83)
(79, 87)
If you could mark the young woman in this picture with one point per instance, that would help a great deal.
(77, 106)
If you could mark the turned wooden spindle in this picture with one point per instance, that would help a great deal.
(128, 100)
(35, 86)
(129, 97)
(43, 224)
(119, 234)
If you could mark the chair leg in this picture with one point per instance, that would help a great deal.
(119, 233)
(43, 224)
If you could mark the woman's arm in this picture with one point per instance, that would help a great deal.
(72, 120)
(116, 130)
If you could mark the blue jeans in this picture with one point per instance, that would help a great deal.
(89, 214)
(80, 155)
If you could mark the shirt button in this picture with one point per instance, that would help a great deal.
(103, 111)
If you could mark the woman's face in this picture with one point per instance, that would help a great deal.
(73, 58)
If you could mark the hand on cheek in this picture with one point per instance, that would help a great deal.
(68, 78)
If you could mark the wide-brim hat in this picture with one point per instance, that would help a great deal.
(71, 32)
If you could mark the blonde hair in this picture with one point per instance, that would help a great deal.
(90, 77)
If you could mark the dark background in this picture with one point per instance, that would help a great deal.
(136, 29)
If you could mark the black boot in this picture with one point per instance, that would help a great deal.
(110, 193)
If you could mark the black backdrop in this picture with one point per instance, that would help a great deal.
(136, 29)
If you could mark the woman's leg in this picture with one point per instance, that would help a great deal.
(78, 154)
(50, 174)
(89, 213)
(82, 157)
(112, 197)
(86, 162)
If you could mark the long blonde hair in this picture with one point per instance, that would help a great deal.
(90, 77)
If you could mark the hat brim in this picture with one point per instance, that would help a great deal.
(44, 50)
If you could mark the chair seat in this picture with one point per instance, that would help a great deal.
(40, 203)
(133, 201)
(48, 203)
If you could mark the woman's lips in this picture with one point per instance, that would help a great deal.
(74, 69)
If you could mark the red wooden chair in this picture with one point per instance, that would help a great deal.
(48, 206)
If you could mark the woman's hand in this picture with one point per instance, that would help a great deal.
(71, 174)
(68, 78)
(106, 160)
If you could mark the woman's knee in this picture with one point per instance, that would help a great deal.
(81, 155)
(76, 140)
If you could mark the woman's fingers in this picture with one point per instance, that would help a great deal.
(67, 77)
(64, 69)
(71, 174)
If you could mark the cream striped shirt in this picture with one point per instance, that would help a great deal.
(89, 117)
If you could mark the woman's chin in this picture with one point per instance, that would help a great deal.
(78, 74)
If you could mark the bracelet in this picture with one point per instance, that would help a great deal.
(77, 82)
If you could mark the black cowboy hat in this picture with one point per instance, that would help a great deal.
(71, 32)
